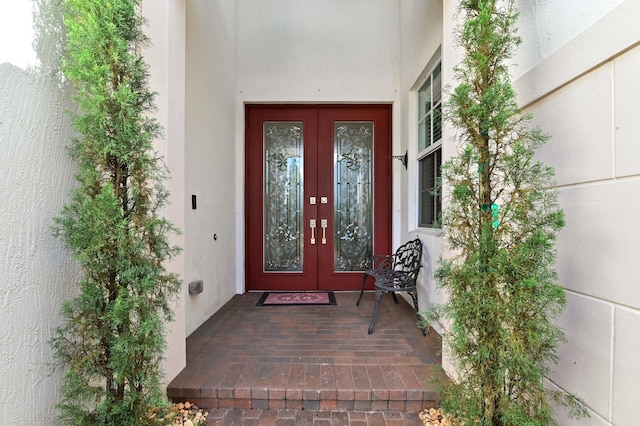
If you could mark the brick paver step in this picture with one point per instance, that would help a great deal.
(229, 417)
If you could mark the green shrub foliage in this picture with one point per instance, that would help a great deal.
(112, 339)
(500, 227)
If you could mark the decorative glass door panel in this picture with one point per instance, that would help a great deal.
(311, 174)
(353, 196)
(283, 196)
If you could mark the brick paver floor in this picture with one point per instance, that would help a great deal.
(310, 364)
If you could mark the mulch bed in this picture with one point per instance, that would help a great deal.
(434, 417)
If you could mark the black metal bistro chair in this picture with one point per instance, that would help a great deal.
(394, 273)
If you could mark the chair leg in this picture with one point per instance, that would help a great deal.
(414, 296)
(364, 280)
(395, 299)
(379, 295)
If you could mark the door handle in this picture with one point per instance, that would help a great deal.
(323, 224)
(312, 225)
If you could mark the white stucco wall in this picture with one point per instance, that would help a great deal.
(421, 35)
(36, 175)
(584, 93)
(242, 52)
(166, 58)
(307, 51)
(547, 25)
(317, 51)
(577, 74)
(212, 171)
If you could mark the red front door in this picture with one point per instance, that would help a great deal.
(318, 194)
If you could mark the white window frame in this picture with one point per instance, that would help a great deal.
(432, 147)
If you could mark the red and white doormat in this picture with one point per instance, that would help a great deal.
(271, 298)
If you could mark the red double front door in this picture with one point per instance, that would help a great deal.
(318, 194)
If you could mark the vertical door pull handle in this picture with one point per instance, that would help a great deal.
(323, 224)
(312, 225)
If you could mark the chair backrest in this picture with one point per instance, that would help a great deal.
(408, 258)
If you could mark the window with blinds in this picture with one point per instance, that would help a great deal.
(429, 148)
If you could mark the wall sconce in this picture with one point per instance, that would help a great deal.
(403, 158)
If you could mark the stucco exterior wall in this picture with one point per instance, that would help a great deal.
(211, 172)
(37, 273)
(547, 25)
(37, 175)
(576, 71)
(577, 74)
(292, 51)
(310, 51)
(421, 35)
(584, 94)
(166, 59)
(242, 52)
(36, 172)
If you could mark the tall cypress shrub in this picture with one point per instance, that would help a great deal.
(500, 226)
(112, 341)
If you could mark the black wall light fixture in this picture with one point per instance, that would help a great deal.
(403, 158)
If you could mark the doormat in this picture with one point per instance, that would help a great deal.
(270, 298)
